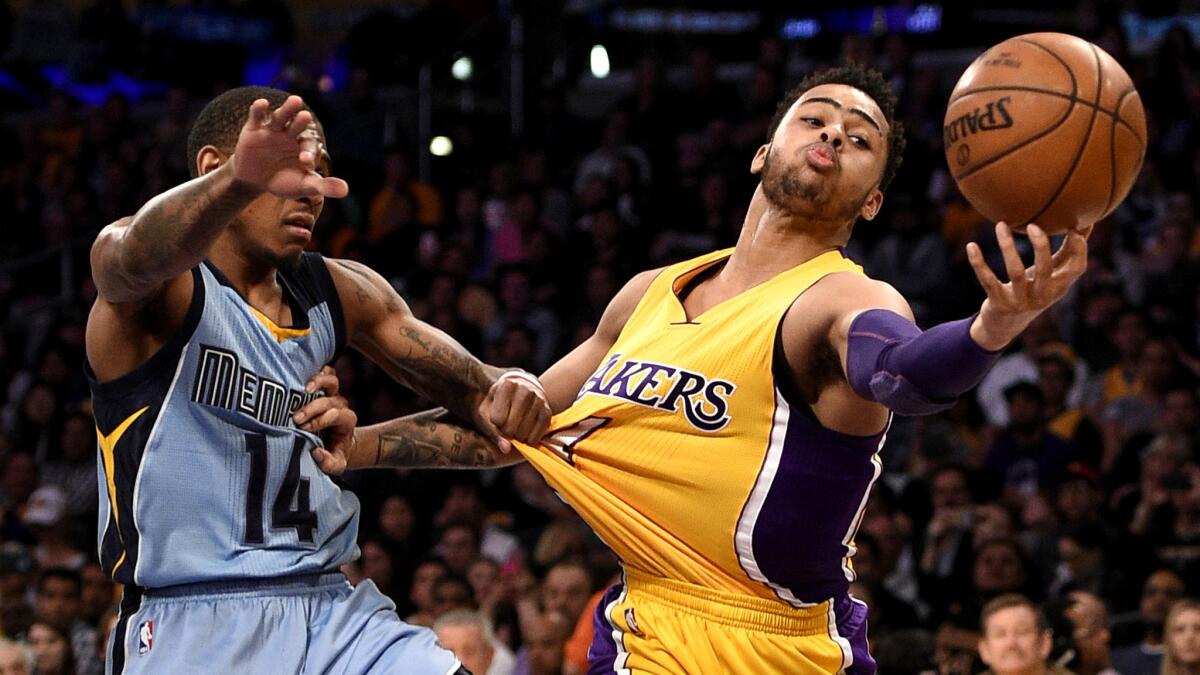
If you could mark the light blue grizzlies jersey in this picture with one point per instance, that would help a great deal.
(203, 476)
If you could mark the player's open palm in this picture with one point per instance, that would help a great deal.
(277, 151)
(1033, 289)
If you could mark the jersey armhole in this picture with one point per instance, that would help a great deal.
(162, 362)
(320, 273)
(785, 381)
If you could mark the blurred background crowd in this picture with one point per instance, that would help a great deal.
(511, 165)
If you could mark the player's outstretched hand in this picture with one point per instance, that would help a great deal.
(331, 417)
(278, 150)
(1011, 306)
(515, 408)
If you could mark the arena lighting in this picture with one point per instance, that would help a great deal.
(599, 62)
(462, 68)
(441, 146)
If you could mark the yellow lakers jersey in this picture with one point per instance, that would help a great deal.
(693, 461)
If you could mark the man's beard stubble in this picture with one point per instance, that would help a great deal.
(287, 262)
(784, 189)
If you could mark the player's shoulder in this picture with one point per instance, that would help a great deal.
(635, 289)
(852, 290)
(839, 296)
(641, 281)
(354, 278)
(344, 266)
(623, 304)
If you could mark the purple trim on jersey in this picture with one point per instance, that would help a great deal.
(818, 488)
(852, 627)
(602, 654)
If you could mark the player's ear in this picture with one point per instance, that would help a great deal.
(208, 159)
(760, 159)
(870, 208)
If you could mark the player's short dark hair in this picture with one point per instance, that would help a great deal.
(1007, 601)
(220, 122)
(64, 574)
(872, 83)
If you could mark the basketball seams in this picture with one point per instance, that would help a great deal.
(1112, 152)
(1115, 114)
(1068, 188)
(995, 158)
(1086, 136)
(1073, 99)
(1073, 96)
(1074, 81)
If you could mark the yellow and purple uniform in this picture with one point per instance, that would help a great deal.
(732, 508)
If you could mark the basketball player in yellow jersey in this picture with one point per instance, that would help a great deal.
(720, 430)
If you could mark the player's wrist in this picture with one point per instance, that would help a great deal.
(522, 376)
(994, 329)
(355, 458)
(240, 181)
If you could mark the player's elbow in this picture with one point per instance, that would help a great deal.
(120, 271)
(903, 397)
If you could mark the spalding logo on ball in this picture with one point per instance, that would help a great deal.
(1045, 128)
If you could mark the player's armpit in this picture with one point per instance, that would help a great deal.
(427, 440)
(563, 380)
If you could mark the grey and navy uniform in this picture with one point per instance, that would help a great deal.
(209, 494)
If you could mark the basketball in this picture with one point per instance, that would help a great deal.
(1045, 128)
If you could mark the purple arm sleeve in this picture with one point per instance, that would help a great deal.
(890, 360)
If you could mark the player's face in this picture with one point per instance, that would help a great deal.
(277, 229)
(1013, 643)
(827, 157)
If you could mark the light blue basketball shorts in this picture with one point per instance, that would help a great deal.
(314, 623)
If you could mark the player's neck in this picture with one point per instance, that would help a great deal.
(252, 276)
(772, 242)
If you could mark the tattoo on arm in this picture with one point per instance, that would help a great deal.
(173, 232)
(443, 371)
(430, 440)
(430, 362)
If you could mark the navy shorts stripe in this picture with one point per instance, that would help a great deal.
(131, 602)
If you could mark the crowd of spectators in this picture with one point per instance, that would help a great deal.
(1064, 493)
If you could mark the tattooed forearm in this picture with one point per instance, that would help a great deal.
(430, 440)
(416, 354)
(443, 371)
(173, 232)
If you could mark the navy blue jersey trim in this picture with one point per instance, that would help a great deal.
(292, 295)
(131, 602)
(328, 290)
(162, 364)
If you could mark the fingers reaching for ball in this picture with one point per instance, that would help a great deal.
(1034, 288)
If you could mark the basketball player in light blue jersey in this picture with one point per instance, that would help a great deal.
(210, 321)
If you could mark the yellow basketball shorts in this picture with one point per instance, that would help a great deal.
(664, 627)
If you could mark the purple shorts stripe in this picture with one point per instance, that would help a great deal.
(852, 626)
(602, 654)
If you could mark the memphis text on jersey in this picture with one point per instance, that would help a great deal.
(704, 401)
(222, 383)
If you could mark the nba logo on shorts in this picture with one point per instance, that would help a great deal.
(145, 637)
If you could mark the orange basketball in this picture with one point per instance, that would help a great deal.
(1045, 128)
